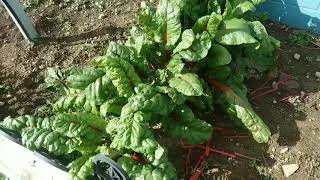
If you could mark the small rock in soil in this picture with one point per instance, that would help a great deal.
(101, 16)
(297, 56)
(317, 74)
(2, 103)
(284, 150)
(318, 58)
(289, 169)
(21, 111)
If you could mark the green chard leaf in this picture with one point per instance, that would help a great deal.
(175, 65)
(188, 84)
(136, 171)
(54, 142)
(242, 6)
(187, 39)
(81, 168)
(184, 125)
(113, 105)
(235, 32)
(169, 26)
(237, 105)
(213, 24)
(199, 48)
(122, 75)
(81, 78)
(201, 24)
(219, 56)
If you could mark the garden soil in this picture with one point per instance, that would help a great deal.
(73, 32)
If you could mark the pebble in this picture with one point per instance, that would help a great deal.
(317, 74)
(274, 101)
(101, 16)
(318, 58)
(289, 169)
(284, 150)
(2, 103)
(21, 111)
(273, 149)
(297, 56)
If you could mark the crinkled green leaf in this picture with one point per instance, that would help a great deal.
(175, 65)
(122, 75)
(187, 84)
(187, 39)
(80, 124)
(147, 99)
(164, 170)
(199, 48)
(184, 125)
(201, 24)
(236, 105)
(113, 105)
(81, 78)
(177, 97)
(261, 59)
(221, 73)
(213, 24)
(241, 6)
(81, 168)
(54, 142)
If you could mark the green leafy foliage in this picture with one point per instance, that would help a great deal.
(181, 60)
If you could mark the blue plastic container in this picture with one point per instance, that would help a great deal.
(302, 14)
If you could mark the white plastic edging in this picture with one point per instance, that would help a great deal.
(19, 163)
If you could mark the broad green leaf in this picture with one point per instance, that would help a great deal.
(55, 142)
(186, 126)
(187, 40)
(81, 168)
(236, 105)
(80, 124)
(136, 39)
(113, 105)
(169, 26)
(136, 171)
(235, 32)
(219, 56)
(242, 6)
(213, 24)
(175, 65)
(199, 48)
(122, 75)
(147, 99)
(187, 84)
(177, 97)
(81, 78)
(201, 24)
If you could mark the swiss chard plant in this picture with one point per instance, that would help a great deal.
(181, 59)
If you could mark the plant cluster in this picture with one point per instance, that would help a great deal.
(183, 59)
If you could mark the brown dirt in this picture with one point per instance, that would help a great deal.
(74, 33)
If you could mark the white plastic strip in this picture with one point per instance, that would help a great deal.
(19, 163)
